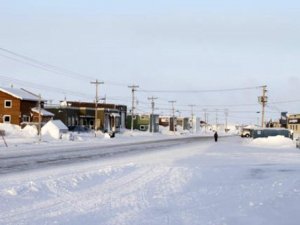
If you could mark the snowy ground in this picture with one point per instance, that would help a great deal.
(235, 181)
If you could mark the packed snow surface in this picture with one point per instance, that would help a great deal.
(229, 182)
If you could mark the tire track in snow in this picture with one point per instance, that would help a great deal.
(64, 198)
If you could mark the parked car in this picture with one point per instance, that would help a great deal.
(246, 132)
(79, 129)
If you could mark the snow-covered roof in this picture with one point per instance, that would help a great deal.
(20, 94)
(55, 124)
(43, 112)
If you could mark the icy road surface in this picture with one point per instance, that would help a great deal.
(203, 183)
(21, 160)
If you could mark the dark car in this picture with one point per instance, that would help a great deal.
(79, 129)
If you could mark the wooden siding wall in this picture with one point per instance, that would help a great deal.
(26, 107)
(14, 111)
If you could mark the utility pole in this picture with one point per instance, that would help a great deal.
(226, 119)
(96, 83)
(263, 101)
(173, 112)
(133, 89)
(152, 117)
(205, 118)
(216, 119)
(192, 116)
(40, 118)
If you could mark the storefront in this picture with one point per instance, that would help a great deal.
(294, 123)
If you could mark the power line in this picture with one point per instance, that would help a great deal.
(42, 65)
(200, 91)
(49, 67)
(43, 87)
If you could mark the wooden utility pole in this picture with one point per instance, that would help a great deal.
(40, 118)
(96, 83)
(205, 118)
(263, 101)
(192, 116)
(217, 119)
(133, 89)
(226, 119)
(173, 112)
(152, 117)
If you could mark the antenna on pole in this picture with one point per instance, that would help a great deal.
(133, 89)
(96, 83)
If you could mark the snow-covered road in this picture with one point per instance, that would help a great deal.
(16, 161)
(205, 183)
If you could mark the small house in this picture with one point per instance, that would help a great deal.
(140, 122)
(21, 107)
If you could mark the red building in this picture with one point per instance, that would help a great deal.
(21, 107)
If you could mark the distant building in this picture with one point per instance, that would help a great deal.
(168, 121)
(21, 107)
(293, 123)
(110, 117)
(140, 122)
(164, 121)
(184, 122)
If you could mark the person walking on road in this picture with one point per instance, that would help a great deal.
(216, 136)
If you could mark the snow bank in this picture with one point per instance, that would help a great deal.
(55, 129)
(10, 129)
(272, 142)
(30, 131)
(16, 131)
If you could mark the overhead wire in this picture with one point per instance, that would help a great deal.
(198, 91)
(51, 68)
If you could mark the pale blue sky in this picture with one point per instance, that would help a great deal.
(185, 45)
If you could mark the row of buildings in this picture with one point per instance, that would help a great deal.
(21, 107)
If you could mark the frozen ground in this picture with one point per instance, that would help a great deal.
(234, 181)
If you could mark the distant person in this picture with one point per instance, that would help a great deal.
(216, 136)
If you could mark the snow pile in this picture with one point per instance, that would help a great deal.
(55, 129)
(272, 142)
(10, 129)
(16, 131)
(30, 131)
(165, 130)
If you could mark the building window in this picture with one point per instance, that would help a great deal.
(25, 118)
(6, 118)
(142, 127)
(7, 104)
